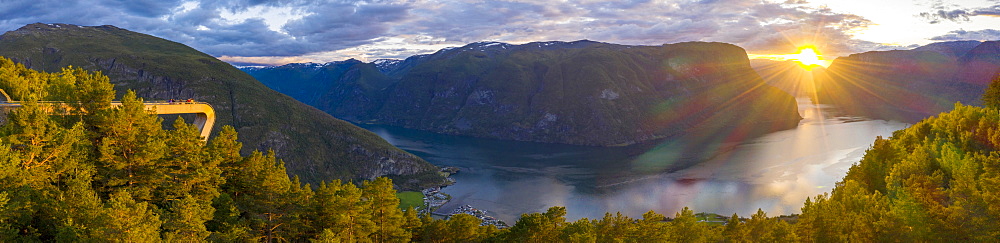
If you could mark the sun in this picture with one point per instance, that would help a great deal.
(808, 58)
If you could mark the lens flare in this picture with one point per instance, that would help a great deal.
(808, 58)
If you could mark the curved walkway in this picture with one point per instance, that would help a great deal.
(204, 113)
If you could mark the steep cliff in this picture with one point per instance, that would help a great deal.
(909, 85)
(582, 92)
(314, 145)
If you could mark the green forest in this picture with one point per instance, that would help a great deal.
(101, 174)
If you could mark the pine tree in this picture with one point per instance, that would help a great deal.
(538, 227)
(652, 228)
(384, 208)
(188, 167)
(261, 189)
(462, 228)
(130, 147)
(127, 220)
(413, 223)
(581, 230)
(224, 151)
(991, 98)
(339, 207)
(614, 228)
(43, 146)
(686, 228)
(185, 220)
(734, 231)
(227, 224)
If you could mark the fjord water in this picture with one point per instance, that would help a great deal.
(710, 171)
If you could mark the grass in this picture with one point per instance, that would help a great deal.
(410, 199)
(712, 218)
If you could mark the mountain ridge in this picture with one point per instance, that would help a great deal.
(908, 85)
(520, 92)
(314, 145)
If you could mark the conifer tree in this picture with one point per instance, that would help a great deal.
(614, 228)
(734, 231)
(127, 220)
(991, 98)
(652, 228)
(384, 209)
(340, 207)
(686, 228)
(81, 211)
(227, 223)
(189, 169)
(41, 144)
(185, 220)
(581, 230)
(413, 223)
(538, 227)
(130, 146)
(224, 151)
(261, 189)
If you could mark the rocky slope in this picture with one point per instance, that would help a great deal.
(582, 92)
(313, 144)
(909, 85)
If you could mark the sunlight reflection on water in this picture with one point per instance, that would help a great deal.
(775, 172)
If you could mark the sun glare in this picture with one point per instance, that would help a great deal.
(807, 57)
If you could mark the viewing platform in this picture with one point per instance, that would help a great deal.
(204, 113)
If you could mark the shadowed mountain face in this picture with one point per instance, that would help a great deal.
(909, 85)
(313, 144)
(582, 92)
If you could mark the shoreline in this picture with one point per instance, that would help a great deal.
(434, 199)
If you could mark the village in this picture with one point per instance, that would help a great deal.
(481, 214)
(434, 199)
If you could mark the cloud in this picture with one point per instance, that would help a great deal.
(392, 28)
(959, 15)
(322, 26)
(979, 35)
(757, 26)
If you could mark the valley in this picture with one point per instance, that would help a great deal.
(550, 137)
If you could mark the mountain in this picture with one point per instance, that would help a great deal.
(313, 144)
(282, 78)
(582, 92)
(908, 85)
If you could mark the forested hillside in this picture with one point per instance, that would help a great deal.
(315, 145)
(113, 174)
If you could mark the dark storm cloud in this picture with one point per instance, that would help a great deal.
(144, 8)
(334, 25)
(326, 25)
(979, 35)
(943, 13)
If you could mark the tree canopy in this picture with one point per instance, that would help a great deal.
(114, 174)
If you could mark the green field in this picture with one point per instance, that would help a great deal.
(711, 218)
(410, 199)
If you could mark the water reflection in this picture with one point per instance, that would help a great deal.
(775, 172)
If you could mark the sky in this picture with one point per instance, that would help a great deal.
(286, 31)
